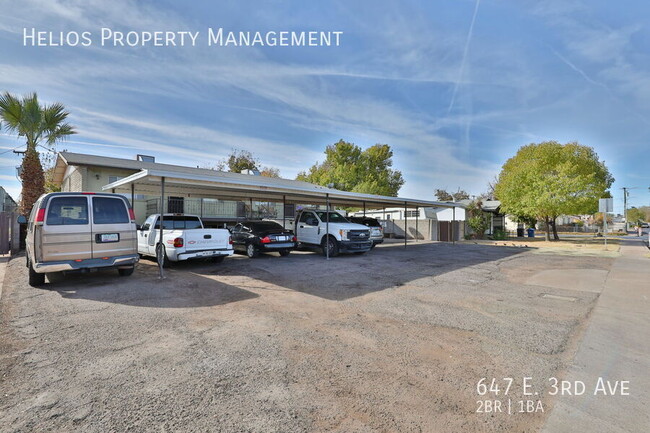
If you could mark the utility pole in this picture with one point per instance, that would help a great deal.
(625, 207)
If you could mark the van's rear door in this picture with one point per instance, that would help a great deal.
(113, 231)
(66, 233)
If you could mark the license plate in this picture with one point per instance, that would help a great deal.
(109, 237)
(282, 238)
(206, 253)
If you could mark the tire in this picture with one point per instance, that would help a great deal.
(284, 253)
(218, 259)
(252, 251)
(126, 272)
(373, 245)
(333, 246)
(165, 260)
(35, 279)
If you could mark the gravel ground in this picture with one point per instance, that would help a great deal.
(394, 340)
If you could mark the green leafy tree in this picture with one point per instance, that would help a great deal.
(351, 169)
(240, 160)
(636, 216)
(477, 219)
(39, 125)
(549, 179)
(443, 195)
(270, 172)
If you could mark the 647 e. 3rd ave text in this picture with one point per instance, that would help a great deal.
(554, 386)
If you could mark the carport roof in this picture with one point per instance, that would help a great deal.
(238, 186)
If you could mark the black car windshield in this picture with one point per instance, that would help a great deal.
(258, 226)
(335, 217)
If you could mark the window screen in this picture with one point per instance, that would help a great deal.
(108, 210)
(67, 211)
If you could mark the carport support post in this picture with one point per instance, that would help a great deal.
(251, 205)
(161, 251)
(133, 195)
(453, 226)
(406, 222)
(417, 211)
(327, 226)
(364, 208)
(284, 210)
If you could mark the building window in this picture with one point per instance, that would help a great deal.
(112, 179)
(412, 213)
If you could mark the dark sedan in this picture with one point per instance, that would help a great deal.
(253, 237)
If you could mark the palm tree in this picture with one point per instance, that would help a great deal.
(39, 125)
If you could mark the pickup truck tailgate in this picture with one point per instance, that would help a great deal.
(206, 239)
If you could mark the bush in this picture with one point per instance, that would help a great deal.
(499, 235)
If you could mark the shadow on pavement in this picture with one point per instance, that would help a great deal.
(349, 276)
(143, 289)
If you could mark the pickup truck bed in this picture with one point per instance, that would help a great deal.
(184, 237)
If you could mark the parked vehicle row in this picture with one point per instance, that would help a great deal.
(82, 232)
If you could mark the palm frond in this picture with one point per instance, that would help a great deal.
(11, 112)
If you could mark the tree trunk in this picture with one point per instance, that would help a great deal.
(32, 179)
(555, 236)
(547, 223)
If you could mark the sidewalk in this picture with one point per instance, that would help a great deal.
(616, 346)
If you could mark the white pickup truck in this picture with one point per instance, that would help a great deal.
(343, 236)
(184, 237)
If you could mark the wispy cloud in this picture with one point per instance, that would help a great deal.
(463, 62)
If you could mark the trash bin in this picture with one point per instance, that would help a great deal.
(520, 232)
(531, 232)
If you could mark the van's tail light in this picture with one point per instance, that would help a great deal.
(131, 214)
(230, 240)
(178, 242)
(40, 215)
(265, 240)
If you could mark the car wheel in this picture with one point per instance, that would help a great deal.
(35, 279)
(126, 272)
(218, 259)
(162, 255)
(284, 253)
(251, 251)
(331, 244)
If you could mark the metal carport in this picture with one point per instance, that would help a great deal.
(226, 186)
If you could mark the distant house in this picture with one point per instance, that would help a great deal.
(8, 204)
(436, 222)
(498, 219)
(434, 213)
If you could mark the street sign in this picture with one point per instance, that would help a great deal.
(606, 205)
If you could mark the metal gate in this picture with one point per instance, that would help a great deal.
(8, 230)
(447, 231)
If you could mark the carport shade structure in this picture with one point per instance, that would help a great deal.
(231, 186)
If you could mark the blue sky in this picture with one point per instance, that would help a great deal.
(455, 87)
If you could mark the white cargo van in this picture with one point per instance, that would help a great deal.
(80, 231)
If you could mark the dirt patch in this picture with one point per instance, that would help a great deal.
(395, 340)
